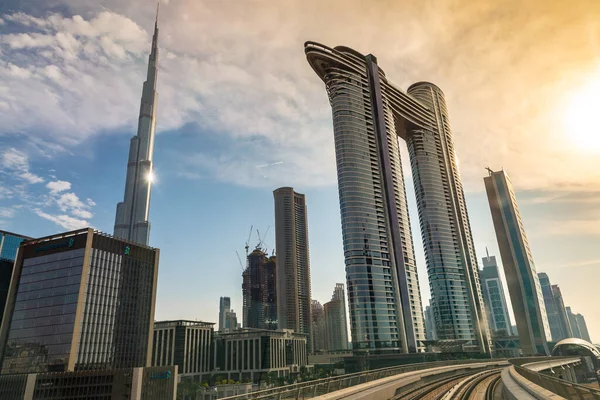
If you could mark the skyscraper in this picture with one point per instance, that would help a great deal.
(80, 300)
(565, 326)
(131, 221)
(224, 308)
(259, 291)
(336, 321)
(521, 276)
(431, 334)
(293, 266)
(369, 115)
(319, 328)
(578, 325)
(555, 309)
(583, 330)
(493, 295)
(573, 323)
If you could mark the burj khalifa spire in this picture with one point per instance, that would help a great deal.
(131, 222)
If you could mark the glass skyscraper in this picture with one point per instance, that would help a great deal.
(493, 294)
(521, 276)
(555, 309)
(369, 117)
(81, 300)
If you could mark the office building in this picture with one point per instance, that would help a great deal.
(9, 244)
(252, 354)
(79, 300)
(335, 320)
(523, 284)
(555, 309)
(493, 296)
(578, 325)
(131, 220)
(573, 323)
(293, 266)
(431, 334)
(583, 330)
(186, 344)
(319, 328)
(224, 307)
(561, 309)
(369, 115)
(259, 291)
(128, 383)
(227, 317)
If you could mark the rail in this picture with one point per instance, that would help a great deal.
(323, 386)
(561, 387)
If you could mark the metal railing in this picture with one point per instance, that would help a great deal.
(561, 387)
(319, 387)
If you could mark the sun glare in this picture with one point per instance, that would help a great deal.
(150, 177)
(580, 118)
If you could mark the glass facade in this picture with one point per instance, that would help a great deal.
(524, 286)
(42, 323)
(78, 309)
(369, 115)
(9, 244)
(495, 301)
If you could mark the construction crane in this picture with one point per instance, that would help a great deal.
(240, 260)
(261, 240)
(248, 241)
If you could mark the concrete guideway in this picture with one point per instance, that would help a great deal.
(387, 388)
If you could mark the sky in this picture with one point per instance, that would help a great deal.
(241, 113)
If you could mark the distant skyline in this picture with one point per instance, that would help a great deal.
(233, 125)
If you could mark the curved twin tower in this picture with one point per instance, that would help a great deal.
(369, 114)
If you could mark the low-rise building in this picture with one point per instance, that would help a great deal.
(186, 344)
(252, 354)
(157, 383)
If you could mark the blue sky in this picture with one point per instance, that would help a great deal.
(241, 113)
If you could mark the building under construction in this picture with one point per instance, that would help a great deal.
(258, 290)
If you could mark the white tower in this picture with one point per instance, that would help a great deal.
(131, 222)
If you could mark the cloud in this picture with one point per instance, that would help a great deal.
(7, 212)
(16, 163)
(506, 77)
(58, 186)
(63, 220)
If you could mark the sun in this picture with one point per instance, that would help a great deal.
(150, 177)
(581, 117)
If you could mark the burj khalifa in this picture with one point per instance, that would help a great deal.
(131, 222)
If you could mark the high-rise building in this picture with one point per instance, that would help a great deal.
(186, 344)
(224, 307)
(80, 300)
(259, 291)
(521, 276)
(583, 330)
(319, 328)
(293, 265)
(578, 325)
(131, 221)
(430, 332)
(555, 309)
(573, 323)
(9, 244)
(335, 320)
(369, 115)
(565, 325)
(493, 295)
